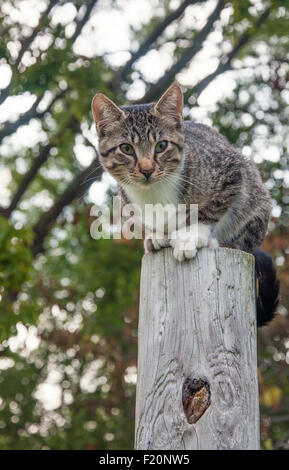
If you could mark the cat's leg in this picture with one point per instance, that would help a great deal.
(186, 241)
(154, 242)
(241, 230)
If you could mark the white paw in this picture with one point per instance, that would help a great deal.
(184, 249)
(187, 242)
(153, 242)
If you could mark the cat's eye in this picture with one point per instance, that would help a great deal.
(127, 149)
(161, 146)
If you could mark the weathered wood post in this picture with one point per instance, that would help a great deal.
(197, 361)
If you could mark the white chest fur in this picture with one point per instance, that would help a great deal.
(160, 193)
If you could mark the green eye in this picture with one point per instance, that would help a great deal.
(127, 149)
(161, 146)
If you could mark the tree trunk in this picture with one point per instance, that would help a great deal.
(197, 359)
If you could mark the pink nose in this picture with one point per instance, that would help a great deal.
(147, 172)
(146, 167)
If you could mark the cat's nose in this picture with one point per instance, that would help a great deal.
(147, 168)
(147, 172)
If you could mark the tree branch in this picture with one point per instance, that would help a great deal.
(145, 46)
(24, 118)
(27, 41)
(189, 53)
(75, 189)
(43, 156)
(81, 23)
(4, 93)
(226, 62)
(26, 180)
(25, 45)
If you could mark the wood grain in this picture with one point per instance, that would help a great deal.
(197, 321)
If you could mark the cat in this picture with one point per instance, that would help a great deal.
(157, 157)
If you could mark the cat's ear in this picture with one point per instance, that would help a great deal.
(170, 103)
(105, 112)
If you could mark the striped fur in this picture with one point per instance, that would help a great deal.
(198, 166)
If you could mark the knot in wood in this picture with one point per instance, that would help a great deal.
(196, 398)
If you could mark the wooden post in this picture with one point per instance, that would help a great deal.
(197, 360)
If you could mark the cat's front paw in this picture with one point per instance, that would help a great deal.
(153, 242)
(187, 242)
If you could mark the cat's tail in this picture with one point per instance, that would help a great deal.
(267, 287)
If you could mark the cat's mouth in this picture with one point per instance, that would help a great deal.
(148, 182)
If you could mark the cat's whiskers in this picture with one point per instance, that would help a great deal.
(89, 179)
(186, 180)
(169, 182)
(94, 178)
(125, 182)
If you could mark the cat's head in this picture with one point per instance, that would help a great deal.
(142, 143)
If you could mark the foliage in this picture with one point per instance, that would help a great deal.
(68, 303)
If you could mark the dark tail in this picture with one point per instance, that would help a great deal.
(268, 287)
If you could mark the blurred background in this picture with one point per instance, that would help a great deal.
(68, 303)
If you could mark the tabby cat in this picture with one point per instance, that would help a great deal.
(156, 157)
